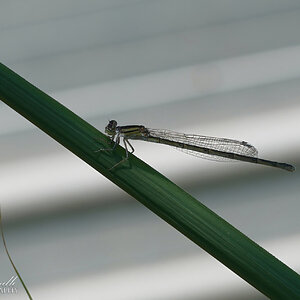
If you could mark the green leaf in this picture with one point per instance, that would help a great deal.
(164, 198)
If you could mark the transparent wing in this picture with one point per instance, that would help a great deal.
(215, 143)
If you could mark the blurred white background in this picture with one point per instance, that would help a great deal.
(223, 68)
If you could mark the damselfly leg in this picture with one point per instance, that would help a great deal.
(117, 142)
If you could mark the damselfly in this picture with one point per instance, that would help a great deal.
(207, 147)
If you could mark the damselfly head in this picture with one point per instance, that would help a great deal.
(110, 129)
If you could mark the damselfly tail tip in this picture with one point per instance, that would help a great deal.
(290, 168)
(293, 169)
